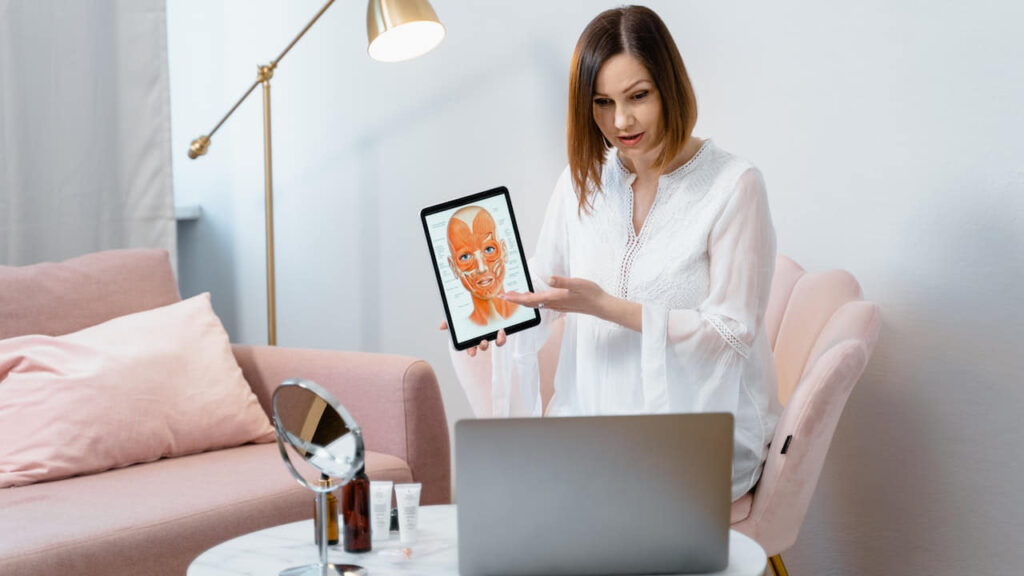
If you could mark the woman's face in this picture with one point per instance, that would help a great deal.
(627, 109)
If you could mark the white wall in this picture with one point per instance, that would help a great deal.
(888, 133)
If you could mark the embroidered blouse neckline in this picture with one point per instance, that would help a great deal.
(687, 166)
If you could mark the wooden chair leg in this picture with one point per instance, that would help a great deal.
(777, 565)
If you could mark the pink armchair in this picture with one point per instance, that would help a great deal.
(154, 518)
(822, 335)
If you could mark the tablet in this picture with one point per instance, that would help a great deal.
(474, 244)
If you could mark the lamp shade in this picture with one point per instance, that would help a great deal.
(399, 30)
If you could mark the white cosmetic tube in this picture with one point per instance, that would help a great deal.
(380, 509)
(408, 496)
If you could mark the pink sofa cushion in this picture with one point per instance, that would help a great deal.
(58, 298)
(134, 389)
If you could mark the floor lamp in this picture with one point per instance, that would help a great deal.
(396, 30)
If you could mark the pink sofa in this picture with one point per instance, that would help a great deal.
(155, 518)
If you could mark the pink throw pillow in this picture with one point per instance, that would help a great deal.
(137, 388)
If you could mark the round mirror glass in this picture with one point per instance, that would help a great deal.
(318, 429)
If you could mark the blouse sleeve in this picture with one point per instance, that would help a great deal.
(505, 380)
(703, 351)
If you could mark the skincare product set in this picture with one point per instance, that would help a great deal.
(366, 512)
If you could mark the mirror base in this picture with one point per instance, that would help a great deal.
(325, 569)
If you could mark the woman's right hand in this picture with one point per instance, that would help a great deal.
(484, 344)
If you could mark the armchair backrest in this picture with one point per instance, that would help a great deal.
(822, 335)
(63, 297)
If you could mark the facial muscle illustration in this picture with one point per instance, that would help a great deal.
(478, 258)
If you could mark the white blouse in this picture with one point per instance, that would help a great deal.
(701, 267)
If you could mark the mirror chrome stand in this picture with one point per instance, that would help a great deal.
(296, 404)
(324, 567)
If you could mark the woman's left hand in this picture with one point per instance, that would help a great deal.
(566, 295)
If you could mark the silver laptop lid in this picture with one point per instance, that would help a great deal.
(594, 495)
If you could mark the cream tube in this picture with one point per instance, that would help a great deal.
(380, 509)
(408, 496)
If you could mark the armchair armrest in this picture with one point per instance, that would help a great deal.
(395, 399)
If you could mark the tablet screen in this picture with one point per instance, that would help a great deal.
(477, 254)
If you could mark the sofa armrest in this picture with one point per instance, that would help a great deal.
(395, 399)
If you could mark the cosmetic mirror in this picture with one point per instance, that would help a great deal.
(311, 424)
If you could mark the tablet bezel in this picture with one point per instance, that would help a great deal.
(466, 201)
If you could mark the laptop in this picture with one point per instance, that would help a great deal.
(595, 495)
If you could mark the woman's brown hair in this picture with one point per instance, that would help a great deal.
(639, 32)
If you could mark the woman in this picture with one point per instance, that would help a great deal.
(657, 248)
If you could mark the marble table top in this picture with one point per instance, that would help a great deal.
(267, 552)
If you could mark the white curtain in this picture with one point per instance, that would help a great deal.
(85, 157)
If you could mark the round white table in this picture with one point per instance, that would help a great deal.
(268, 552)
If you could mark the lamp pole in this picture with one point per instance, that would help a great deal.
(266, 73)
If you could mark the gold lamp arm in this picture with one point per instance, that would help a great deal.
(200, 145)
(301, 34)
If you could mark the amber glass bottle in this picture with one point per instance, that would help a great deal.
(332, 515)
(355, 512)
